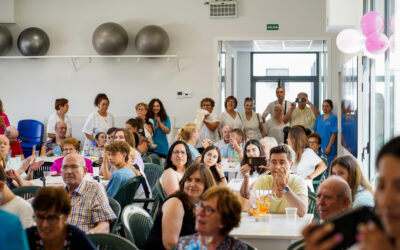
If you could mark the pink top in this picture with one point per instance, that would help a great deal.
(57, 164)
(6, 121)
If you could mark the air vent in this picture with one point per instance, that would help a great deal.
(221, 9)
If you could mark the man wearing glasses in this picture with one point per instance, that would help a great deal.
(91, 211)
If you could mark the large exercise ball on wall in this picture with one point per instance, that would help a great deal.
(110, 39)
(33, 42)
(6, 40)
(152, 40)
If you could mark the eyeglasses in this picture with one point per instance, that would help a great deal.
(177, 152)
(51, 219)
(65, 167)
(207, 209)
(68, 149)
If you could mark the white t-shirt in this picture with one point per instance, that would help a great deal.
(309, 159)
(252, 127)
(275, 129)
(206, 133)
(53, 119)
(15, 163)
(95, 123)
(226, 119)
(22, 209)
(270, 108)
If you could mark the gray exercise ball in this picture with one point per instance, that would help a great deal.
(33, 42)
(110, 39)
(6, 40)
(152, 40)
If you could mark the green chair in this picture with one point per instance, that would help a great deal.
(296, 245)
(116, 207)
(320, 178)
(159, 198)
(152, 172)
(26, 192)
(146, 159)
(111, 241)
(155, 159)
(126, 193)
(250, 247)
(312, 204)
(137, 224)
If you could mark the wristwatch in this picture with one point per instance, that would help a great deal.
(285, 190)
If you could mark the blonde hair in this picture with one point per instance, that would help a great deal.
(186, 131)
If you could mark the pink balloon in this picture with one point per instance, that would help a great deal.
(350, 41)
(392, 44)
(376, 43)
(391, 23)
(372, 22)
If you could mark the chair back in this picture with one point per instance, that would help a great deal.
(126, 192)
(111, 241)
(312, 203)
(159, 198)
(30, 134)
(39, 172)
(26, 192)
(296, 245)
(155, 159)
(137, 224)
(116, 207)
(250, 247)
(152, 172)
(320, 178)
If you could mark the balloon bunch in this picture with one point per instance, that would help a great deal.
(372, 40)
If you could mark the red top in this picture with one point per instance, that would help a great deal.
(5, 121)
(15, 149)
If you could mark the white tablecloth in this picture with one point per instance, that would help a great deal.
(58, 181)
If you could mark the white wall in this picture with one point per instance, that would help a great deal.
(29, 87)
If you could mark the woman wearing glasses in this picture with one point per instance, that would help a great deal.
(217, 213)
(68, 146)
(178, 159)
(176, 217)
(51, 207)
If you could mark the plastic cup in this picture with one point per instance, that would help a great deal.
(291, 215)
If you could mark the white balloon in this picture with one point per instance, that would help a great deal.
(350, 41)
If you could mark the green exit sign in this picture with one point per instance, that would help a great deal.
(272, 26)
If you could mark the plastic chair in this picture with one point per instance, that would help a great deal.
(126, 193)
(39, 172)
(320, 178)
(117, 211)
(152, 172)
(155, 159)
(26, 192)
(312, 204)
(111, 241)
(137, 224)
(30, 134)
(296, 245)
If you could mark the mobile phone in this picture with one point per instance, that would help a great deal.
(346, 223)
(256, 161)
(300, 99)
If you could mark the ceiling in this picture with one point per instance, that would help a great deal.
(275, 45)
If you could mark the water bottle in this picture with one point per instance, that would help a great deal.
(57, 150)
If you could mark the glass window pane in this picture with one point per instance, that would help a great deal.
(293, 88)
(285, 64)
(265, 93)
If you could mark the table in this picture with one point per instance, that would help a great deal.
(275, 233)
(232, 168)
(57, 181)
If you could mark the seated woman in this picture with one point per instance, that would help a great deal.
(250, 173)
(190, 134)
(211, 158)
(136, 126)
(119, 157)
(176, 217)
(69, 146)
(178, 159)
(348, 168)
(51, 207)
(217, 213)
(307, 165)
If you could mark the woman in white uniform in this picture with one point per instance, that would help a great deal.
(98, 121)
(230, 116)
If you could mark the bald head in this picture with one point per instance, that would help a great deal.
(74, 159)
(333, 196)
(11, 133)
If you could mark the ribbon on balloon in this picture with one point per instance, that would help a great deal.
(372, 40)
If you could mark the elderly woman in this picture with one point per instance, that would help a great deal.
(98, 121)
(217, 213)
(176, 216)
(178, 159)
(274, 126)
(68, 146)
(52, 207)
(208, 129)
(148, 126)
(162, 126)
(211, 158)
(230, 116)
(61, 106)
(252, 121)
(4, 123)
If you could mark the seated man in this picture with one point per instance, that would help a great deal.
(333, 197)
(15, 147)
(236, 144)
(119, 157)
(61, 134)
(91, 211)
(288, 190)
(225, 137)
(15, 204)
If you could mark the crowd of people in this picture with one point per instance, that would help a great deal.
(291, 142)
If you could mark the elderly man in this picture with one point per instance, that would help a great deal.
(90, 209)
(280, 94)
(289, 190)
(333, 197)
(12, 135)
(61, 134)
(302, 115)
(225, 137)
(236, 144)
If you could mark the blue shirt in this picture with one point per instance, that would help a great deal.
(227, 151)
(325, 129)
(160, 138)
(12, 235)
(195, 153)
(363, 197)
(117, 179)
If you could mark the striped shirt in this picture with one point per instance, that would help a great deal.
(89, 206)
